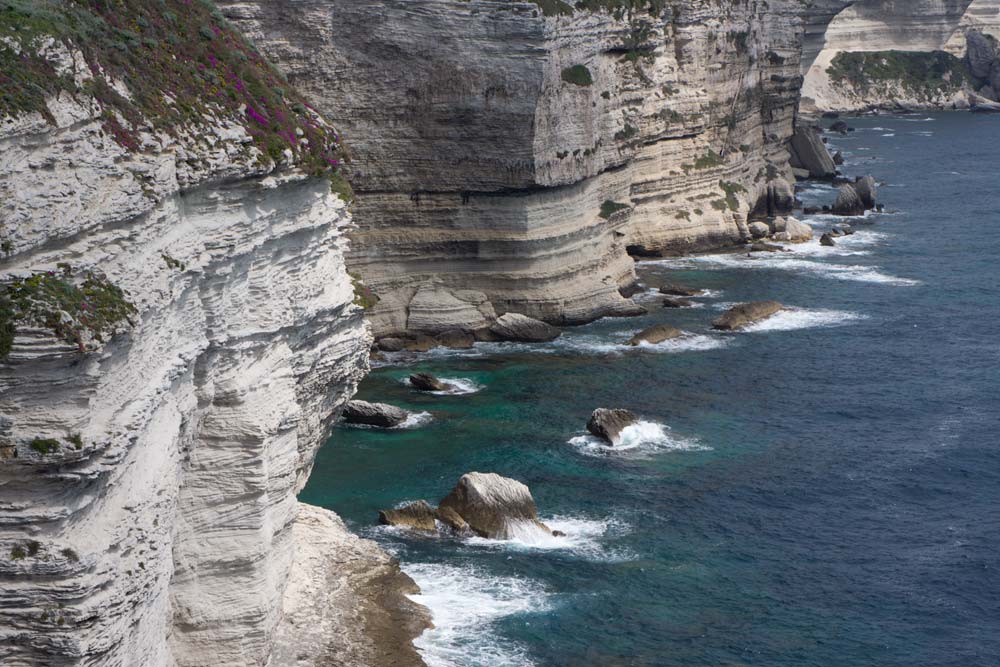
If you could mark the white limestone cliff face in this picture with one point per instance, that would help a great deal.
(482, 172)
(885, 25)
(161, 527)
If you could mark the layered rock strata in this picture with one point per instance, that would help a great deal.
(178, 334)
(507, 157)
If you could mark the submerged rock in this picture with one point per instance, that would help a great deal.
(524, 329)
(607, 424)
(418, 515)
(827, 240)
(655, 334)
(490, 504)
(427, 382)
(374, 414)
(674, 302)
(743, 314)
(674, 289)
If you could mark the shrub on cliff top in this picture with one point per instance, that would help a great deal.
(182, 65)
(923, 73)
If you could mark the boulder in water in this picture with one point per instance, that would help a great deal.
(675, 302)
(655, 334)
(809, 154)
(607, 424)
(374, 414)
(743, 314)
(839, 126)
(760, 246)
(848, 201)
(524, 329)
(867, 190)
(452, 519)
(838, 158)
(827, 240)
(418, 515)
(491, 505)
(759, 230)
(426, 382)
(673, 289)
(798, 232)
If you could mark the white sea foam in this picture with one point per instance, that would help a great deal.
(789, 262)
(641, 438)
(457, 386)
(465, 603)
(803, 318)
(584, 538)
(416, 420)
(890, 134)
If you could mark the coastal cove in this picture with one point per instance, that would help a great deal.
(817, 490)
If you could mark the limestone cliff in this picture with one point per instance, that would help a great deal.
(887, 53)
(177, 331)
(510, 155)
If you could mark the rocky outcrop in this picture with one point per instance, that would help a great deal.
(346, 601)
(655, 334)
(744, 314)
(889, 54)
(810, 155)
(607, 424)
(523, 329)
(374, 414)
(179, 336)
(426, 382)
(417, 515)
(491, 505)
(523, 150)
(675, 289)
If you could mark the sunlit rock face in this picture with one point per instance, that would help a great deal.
(148, 478)
(523, 156)
(876, 26)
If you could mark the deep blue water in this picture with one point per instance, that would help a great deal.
(828, 492)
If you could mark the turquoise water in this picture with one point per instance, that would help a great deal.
(825, 489)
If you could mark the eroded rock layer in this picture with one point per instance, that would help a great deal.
(178, 333)
(518, 155)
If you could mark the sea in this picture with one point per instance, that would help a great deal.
(822, 489)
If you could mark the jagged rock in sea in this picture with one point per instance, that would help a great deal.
(810, 154)
(848, 201)
(492, 505)
(607, 424)
(418, 515)
(744, 314)
(676, 302)
(674, 289)
(867, 189)
(427, 382)
(452, 519)
(374, 414)
(179, 333)
(523, 329)
(827, 240)
(655, 334)
(526, 159)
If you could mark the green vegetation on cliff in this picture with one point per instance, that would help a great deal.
(182, 64)
(925, 74)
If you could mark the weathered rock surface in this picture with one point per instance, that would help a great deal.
(810, 154)
(417, 515)
(674, 289)
(848, 201)
(759, 229)
(676, 302)
(345, 601)
(827, 240)
(867, 190)
(426, 382)
(490, 504)
(164, 517)
(524, 329)
(481, 167)
(374, 414)
(655, 334)
(456, 339)
(744, 314)
(608, 424)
